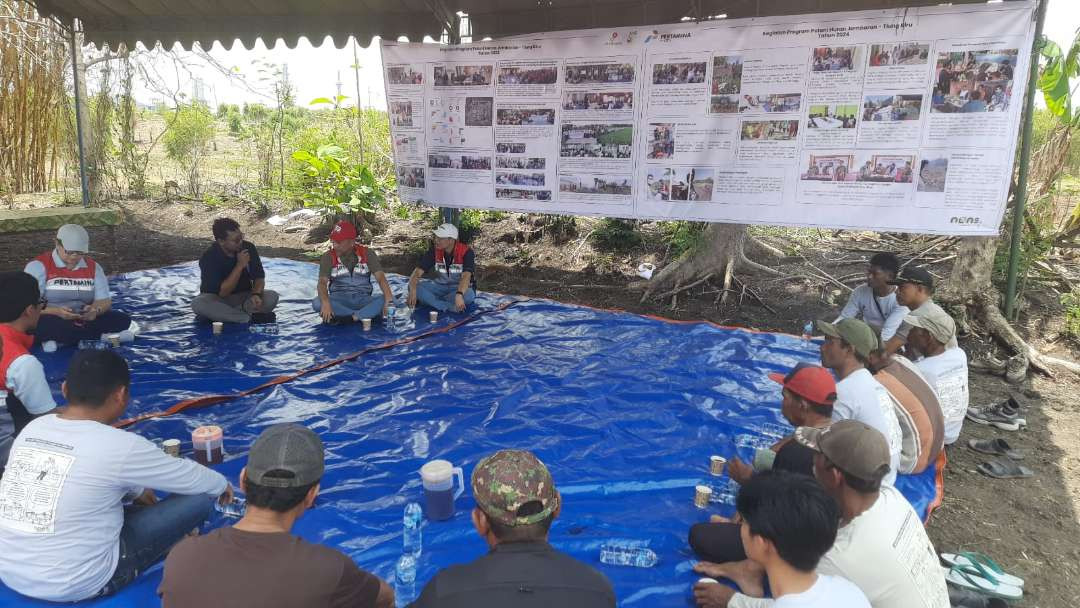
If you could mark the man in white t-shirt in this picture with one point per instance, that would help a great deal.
(787, 523)
(859, 396)
(944, 368)
(915, 288)
(875, 302)
(78, 519)
(881, 546)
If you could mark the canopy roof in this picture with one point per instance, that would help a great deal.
(207, 21)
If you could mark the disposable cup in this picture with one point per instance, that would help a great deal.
(702, 494)
(218, 327)
(433, 316)
(171, 447)
(366, 323)
(716, 465)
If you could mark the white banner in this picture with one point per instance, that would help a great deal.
(895, 120)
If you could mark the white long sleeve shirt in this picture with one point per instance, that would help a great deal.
(62, 497)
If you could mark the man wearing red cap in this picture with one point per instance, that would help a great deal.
(808, 395)
(345, 290)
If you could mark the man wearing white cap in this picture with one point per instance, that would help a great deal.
(454, 264)
(79, 306)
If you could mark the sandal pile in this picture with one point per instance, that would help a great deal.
(977, 572)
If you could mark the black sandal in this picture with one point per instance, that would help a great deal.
(994, 447)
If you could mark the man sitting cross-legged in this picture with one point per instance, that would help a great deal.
(787, 523)
(345, 293)
(258, 562)
(516, 502)
(79, 520)
(808, 396)
(881, 546)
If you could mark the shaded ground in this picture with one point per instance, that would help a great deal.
(1031, 527)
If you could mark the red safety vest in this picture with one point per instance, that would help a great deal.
(359, 279)
(15, 344)
(63, 284)
(454, 269)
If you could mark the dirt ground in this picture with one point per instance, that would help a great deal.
(1029, 526)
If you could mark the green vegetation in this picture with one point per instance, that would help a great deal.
(683, 237)
(336, 186)
(191, 131)
(616, 235)
(1070, 302)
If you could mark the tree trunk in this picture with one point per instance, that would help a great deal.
(719, 258)
(971, 296)
(93, 177)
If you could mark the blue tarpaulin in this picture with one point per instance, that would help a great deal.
(624, 409)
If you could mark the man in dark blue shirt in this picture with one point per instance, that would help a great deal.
(233, 283)
(454, 263)
(516, 502)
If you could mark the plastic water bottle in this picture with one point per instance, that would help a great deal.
(412, 535)
(235, 509)
(405, 581)
(264, 328)
(808, 330)
(93, 345)
(618, 554)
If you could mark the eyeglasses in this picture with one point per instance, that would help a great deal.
(43, 303)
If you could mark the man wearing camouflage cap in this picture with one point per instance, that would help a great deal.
(846, 351)
(945, 368)
(516, 501)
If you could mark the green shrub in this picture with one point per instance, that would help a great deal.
(469, 222)
(188, 137)
(683, 237)
(615, 235)
(1071, 303)
(335, 186)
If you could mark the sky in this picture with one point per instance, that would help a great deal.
(315, 71)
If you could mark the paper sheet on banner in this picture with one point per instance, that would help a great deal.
(31, 488)
(900, 120)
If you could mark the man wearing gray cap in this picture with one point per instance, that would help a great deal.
(258, 562)
(945, 368)
(454, 263)
(79, 306)
(881, 546)
(859, 396)
(516, 501)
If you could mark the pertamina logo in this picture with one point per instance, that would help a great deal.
(656, 35)
(965, 220)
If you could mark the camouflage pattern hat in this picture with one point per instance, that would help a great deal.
(508, 479)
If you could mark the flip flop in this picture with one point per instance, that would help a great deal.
(981, 565)
(1004, 469)
(994, 447)
(962, 579)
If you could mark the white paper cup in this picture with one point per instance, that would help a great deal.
(702, 494)
(716, 465)
(218, 327)
(366, 323)
(433, 316)
(171, 447)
